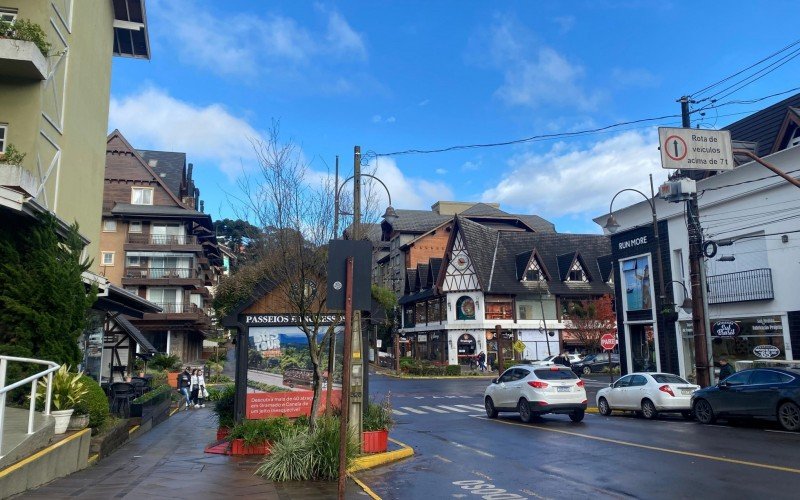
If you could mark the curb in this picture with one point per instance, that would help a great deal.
(437, 377)
(377, 459)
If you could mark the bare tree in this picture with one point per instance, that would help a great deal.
(590, 320)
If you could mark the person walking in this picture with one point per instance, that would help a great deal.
(185, 386)
(725, 369)
(482, 361)
(200, 387)
(195, 389)
(562, 359)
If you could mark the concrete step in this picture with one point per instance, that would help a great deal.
(17, 443)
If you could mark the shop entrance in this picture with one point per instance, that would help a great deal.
(466, 349)
(643, 348)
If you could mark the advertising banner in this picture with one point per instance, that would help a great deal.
(286, 404)
(636, 280)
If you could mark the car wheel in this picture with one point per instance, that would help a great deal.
(703, 412)
(577, 415)
(587, 370)
(491, 411)
(789, 416)
(687, 415)
(525, 413)
(603, 407)
(649, 409)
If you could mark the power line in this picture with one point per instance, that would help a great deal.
(704, 89)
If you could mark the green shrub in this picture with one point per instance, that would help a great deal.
(452, 370)
(259, 431)
(94, 403)
(406, 363)
(67, 389)
(303, 456)
(261, 386)
(165, 362)
(27, 31)
(153, 394)
(378, 417)
(224, 406)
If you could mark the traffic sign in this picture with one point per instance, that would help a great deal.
(695, 149)
(608, 341)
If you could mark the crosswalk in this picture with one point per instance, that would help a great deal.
(434, 409)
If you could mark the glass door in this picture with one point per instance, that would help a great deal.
(643, 348)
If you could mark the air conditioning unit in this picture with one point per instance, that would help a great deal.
(677, 190)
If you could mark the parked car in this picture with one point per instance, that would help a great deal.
(594, 363)
(536, 390)
(770, 393)
(648, 393)
(548, 361)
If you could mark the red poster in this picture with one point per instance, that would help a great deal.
(288, 404)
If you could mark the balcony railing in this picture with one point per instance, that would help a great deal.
(162, 239)
(180, 307)
(742, 286)
(161, 272)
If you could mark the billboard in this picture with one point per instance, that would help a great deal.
(637, 280)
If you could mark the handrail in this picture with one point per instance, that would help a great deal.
(33, 380)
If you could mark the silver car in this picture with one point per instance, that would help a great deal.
(535, 390)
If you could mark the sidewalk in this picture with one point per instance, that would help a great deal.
(168, 462)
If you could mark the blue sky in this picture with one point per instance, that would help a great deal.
(393, 76)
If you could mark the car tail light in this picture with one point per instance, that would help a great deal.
(554, 368)
(537, 384)
(542, 403)
(667, 389)
(580, 383)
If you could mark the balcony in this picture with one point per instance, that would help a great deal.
(160, 276)
(20, 59)
(162, 242)
(177, 311)
(742, 286)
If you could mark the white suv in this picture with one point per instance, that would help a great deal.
(548, 361)
(536, 390)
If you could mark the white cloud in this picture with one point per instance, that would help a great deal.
(249, 44)
(569, 180)
(376, 118)
(380, 119)
(391, 119)
(565, 23)
(152, 119)
(407, 192)
(534, 74)
(423, 102)
(441, 171)
(634, 77)
(469, 166)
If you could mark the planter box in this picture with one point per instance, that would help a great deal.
(375, 441)
(222, 433)
(152, 408)
(172, 379)
(239, 448)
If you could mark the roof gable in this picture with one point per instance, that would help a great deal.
(787, 130)
(530, 260)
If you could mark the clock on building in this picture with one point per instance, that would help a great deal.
(461, 262)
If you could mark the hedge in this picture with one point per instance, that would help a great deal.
(94, 403)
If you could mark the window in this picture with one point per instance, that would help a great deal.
(109, 226)
(135, 226)
(3, 134)
(668, 379)
(769, 377)
(523, 312)
(624, 381)
(533, 275)
(8, 15)
(638, 380)
(108, 258)
(132, 289)
(795, 140)
(738, 378)
(134, 261)
(141, 196)
(555, 374)
(465, 308)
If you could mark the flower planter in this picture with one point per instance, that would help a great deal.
(78, 422)
(669, 316)
(222, 433)
(172, 379)
(152, 407)
(375, 441)
(62, 419)
(239, 448)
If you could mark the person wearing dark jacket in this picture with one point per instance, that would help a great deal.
(725, 369)
(562, 359)
(184, 386)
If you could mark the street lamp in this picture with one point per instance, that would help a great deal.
(389, 214)
(687, 302)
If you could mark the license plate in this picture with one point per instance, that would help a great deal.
(686, 391)
(564, 389)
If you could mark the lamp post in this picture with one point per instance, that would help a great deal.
(358, 350)
(612, 225)
(686, 305)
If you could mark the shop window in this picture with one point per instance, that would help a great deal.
(465, 308)
(420, 312)
(523, 312)
(408, 316)
(498, 310)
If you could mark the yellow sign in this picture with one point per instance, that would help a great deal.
(518, 346)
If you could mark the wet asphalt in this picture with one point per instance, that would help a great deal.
(459, 453)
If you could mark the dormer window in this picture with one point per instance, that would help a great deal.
(795, 139)
(533, 275)
(576, 272)
(534, 271)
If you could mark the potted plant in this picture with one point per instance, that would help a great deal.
(224, 410)
(12, 156)
(67, 391)
(255, 437)
(171, 364)
(669, 314)
(378, 421)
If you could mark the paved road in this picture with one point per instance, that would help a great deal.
(458, 449)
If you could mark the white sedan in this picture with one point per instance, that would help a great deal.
(649, 394)
(548, 361)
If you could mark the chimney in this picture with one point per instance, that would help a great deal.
(202, 206)
(189, 174)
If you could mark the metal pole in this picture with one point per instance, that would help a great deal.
(359, 397)
(241, 373)
(768, 165)
(544, 325)
(501, 365)
(332, 341)
(345, 410)
(662, 294)
(336, 202)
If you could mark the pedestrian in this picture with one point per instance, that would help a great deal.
(202, 394)
(725, 369)
(185, 385)
(482, 361)
(195, 389)
(562, 359)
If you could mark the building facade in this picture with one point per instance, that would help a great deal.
(750, 215)
(157, 244)
(54, 104)
(494, 275)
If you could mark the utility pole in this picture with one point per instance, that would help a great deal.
(697, 276)
(332, 341)
(501, 364)
(357, 396)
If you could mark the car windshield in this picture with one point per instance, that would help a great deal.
(589, 357)
(559, 374)
(666, 378)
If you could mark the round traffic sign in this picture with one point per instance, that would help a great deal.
(675, 147)
(608, 342)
